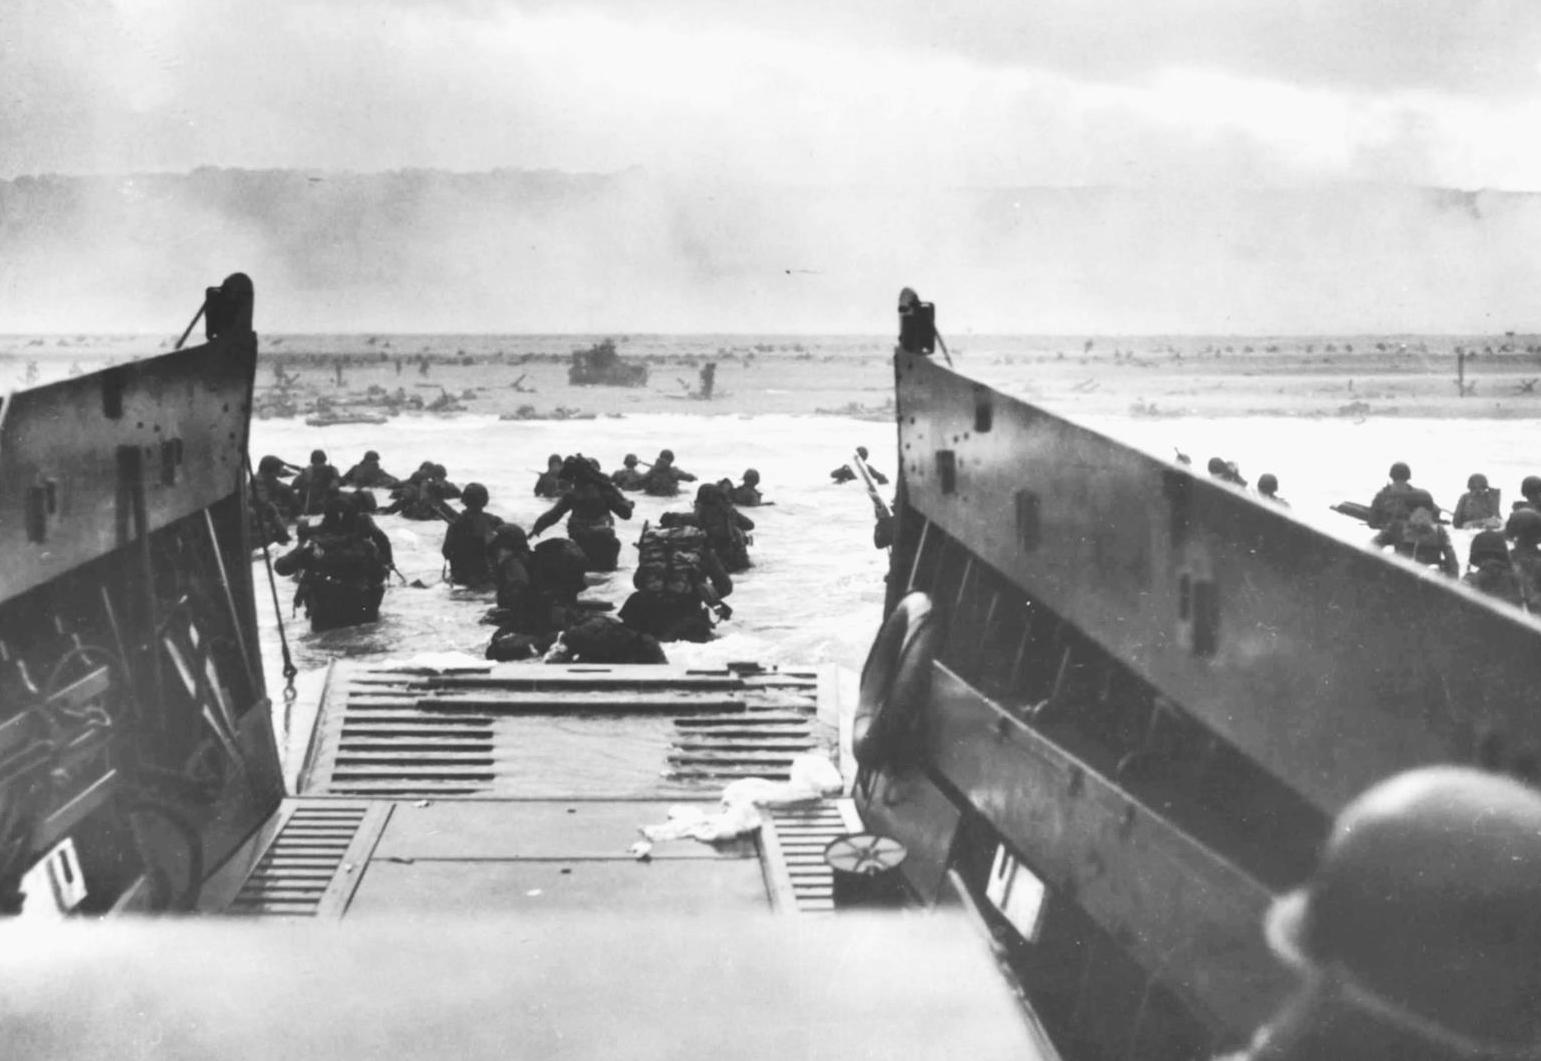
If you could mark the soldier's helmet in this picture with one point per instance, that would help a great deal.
(371, 455)
(1524, 526)
(270, 465)
(1530, 486)
(630, 460)
(1426, 910)
(751, 477)
(511, 537)
(861, 451)
(1400, 472)
(1477, 481)
(1267, 483)
(666, 454)
(474, 495)
(1487, 545)
(318, 456)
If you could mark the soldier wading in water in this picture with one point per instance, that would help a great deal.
(591, 499)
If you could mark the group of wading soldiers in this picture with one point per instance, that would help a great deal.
(1504, 560)
(684, 571)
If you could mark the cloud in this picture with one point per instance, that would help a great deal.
(893, 94)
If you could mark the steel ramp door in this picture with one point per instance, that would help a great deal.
(517, 787)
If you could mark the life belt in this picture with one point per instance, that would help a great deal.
(896, 683)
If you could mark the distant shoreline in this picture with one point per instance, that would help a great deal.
(851, 376)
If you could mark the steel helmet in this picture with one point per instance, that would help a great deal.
(1487, 545)
(1477, 481)
(751, 477)
(318, 456)
(1426, 909)
(1530, 486)
(1267, 483)
(1400, 472)
(474, 495)
(371, 455)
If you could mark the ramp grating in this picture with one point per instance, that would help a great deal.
(400, 734)
(299, 866)
(716, 748)
(793, 841)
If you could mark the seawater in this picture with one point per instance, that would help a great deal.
(814, 595)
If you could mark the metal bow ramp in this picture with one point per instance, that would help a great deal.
(518, 786)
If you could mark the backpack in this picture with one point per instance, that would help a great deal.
(670, 560)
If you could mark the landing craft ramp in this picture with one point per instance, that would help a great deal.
(509, 786)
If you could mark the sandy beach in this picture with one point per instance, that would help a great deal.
(844, 376)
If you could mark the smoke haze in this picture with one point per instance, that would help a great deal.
(513, 251)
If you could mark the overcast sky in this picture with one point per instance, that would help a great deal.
(815, 91)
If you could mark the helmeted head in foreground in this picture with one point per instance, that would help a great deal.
(751, 477)
(1530, 486)
(1488, 545)
(1523, 526)
(370, 456)
(510, 537)
(1400, 472)
(1477, 481)
(630, 460)
(474, 496)
(1267, 484)
(317, 456)
(1420, 927)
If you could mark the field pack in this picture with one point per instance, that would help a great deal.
(670, 560)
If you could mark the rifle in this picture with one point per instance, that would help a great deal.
(878, 503)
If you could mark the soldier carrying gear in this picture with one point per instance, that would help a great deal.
(1480, 506)
(663, 478)
(1398, 499)
(467, 538)
(591, 498)
(1530, 490)
(341, 572)
(630, 477)
(844, 474)
(367, 473)
(680, 584)
(747, 493)
(1491, 571)
(1524, 530)
(549, 483)
(1419, 936)
(317, 484)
